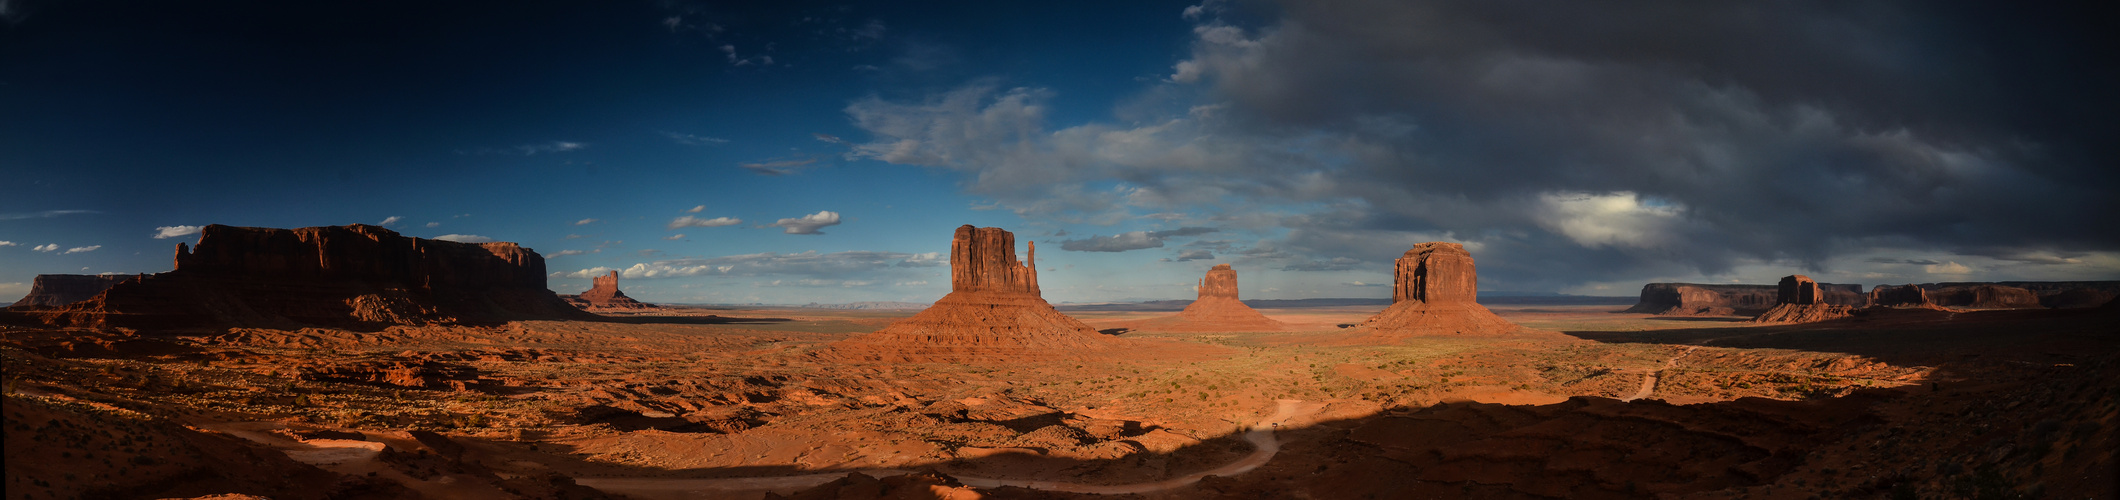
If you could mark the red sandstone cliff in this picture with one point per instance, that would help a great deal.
(993, 313)
(604, 294)
(347, 276)
(53, 290)
(1799, 300)
(1694, 299)
(1434, 293)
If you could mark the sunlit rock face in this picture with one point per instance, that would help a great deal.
(604, 294)
(993, 313)
(1800, 300)
(1435, 288)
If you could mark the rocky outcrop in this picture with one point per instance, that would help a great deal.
(1800, 300)
(339, 276)
(1216, 310)
(1697, 299)
(1981, 296)
(994, 313)
(1435, 289)
(604, 294)
(53, 290)
(1899, 296)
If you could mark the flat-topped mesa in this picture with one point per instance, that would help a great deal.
(983, 259)
(1435, 273)
(1800, 300)
(1220, 282)
(1899, 296)
(1435, 292)
(1698, 299)
(326, 276)
(604, 294)
(54, 290)
(993, 313)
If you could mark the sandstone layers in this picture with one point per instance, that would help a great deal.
(1798, 299)
(345, 276)
(1434, 293)
(53, 290)
(604, 294)
(993, 313)
(1694, 299)
(1217, 309)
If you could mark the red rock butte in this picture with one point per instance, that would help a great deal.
(993, 313)
(1799, 300)
(343, 276)
(604, 294)
(1217, 309)
(1435, 292)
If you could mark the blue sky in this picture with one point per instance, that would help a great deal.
(1137, 142)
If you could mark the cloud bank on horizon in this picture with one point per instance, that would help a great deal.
(1580, 148)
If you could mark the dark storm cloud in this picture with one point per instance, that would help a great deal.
(1706, 132)
(1135, 240)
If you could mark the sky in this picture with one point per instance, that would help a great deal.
(733, 152)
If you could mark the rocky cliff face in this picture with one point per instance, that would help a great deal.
(53, 290)
(1981, 296)
(1899, 296)
(1696, 299)
(346, 276)
(1220, 282)
(994, 313)
(604, 294)
(1800, 300)
(1434, 291)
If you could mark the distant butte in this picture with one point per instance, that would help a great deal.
(604, 294)
(1216, 310)
(1435, 289)
(1799, 300)
(994, 312)
(54, 290)
(342, 276)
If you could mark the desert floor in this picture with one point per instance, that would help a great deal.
(735, 403)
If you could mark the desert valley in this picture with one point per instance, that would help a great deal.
(352, 362)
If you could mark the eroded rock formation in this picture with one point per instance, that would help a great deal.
(1799, 300)
(1695, 299)
(1216, 310)
(53, 290)
(1434, 292)
(344, 276)
(1982, 296)
(1899, 296)
(993, 313)
(604, 294)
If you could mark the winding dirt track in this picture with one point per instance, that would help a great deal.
(1261, 436)
(1649, 380)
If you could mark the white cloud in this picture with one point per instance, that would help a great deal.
(1948, 268)
(808, 224)
(464, 238)
(777, 168)
(45, 247)
(810, 263)
(166, 232)
(564, 253)
(550, 147)
(7, 243)
(86, 249)
(683, 138)
(45, 214)
(696, 209)
(431, 225)
(675, 237)
(1618, 219)
(390, 220)
(911, 283)
(585, 222)
(690, 221)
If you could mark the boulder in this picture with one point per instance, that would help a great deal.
(993, 313)
(53, 290)
(336, 276)
(604, 294)
(1435, 289)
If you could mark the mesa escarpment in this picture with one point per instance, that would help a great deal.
(993, 312)
(1799, 300)
(1696, 299)
(53, 290)
(1434, 292)
(1217, 309)
(604, 294)
(348, 276)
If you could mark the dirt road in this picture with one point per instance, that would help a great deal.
(1649, 380)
